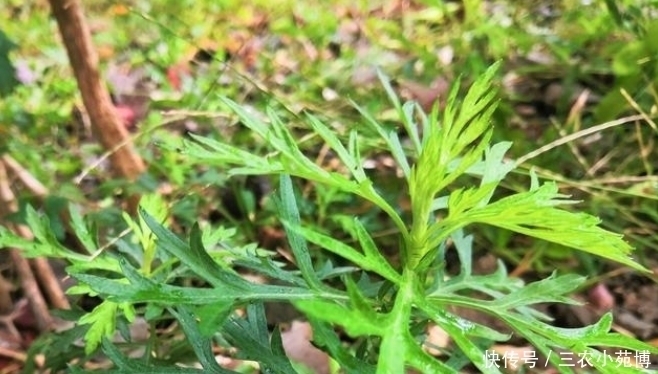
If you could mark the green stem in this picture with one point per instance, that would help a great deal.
(416, 245)
(394, 343)
(149, 255)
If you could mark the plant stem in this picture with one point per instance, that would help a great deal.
(393, 346)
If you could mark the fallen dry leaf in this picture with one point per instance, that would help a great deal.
(600, 297)
(436, 340)
(426, 96)
(297, 344)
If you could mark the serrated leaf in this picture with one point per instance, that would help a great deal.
(533, 213)
(449, 149)
(548, 290)
(145, 290)
(292, 156)
(192, 255)
(331, 139)
(421, 360)
(81, 230)
(391, 139)
(355, 323)
(287, 208)
(201, 345)
(545, 338)
(462, 200)
(251, 335)
(47, 245)
(461, 331)
(397, 341)
(102, 321)
(373, 254)
(326, 339)
(405, 112)
(495, 284)
(120, 291)
(355, 152)
(126, 365)
(358, 301)
(267, 267)
(135, 278)
(347, 252)
(495, 167)
(256, 125)
(461, 325)
(221, 153)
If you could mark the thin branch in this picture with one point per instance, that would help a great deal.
(26, 178)
(29, 284)
(578, 135)
(106, 125)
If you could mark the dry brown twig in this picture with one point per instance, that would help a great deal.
(45, 275)
(26, 178)
(42, 269)
(14, 355)
(106, 125)
(22, 266)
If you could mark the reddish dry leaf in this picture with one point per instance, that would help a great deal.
(600, 297)
(298, 347)
(424, 95)
(130, 94)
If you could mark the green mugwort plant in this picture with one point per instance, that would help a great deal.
(448, 147)
(388, 306)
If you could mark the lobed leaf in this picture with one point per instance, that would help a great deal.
(405, 112)
(368, 262)
(251, 335)
(326, 339)
(102, 321)
(193, 255)
(533, 213)
(352, 164)
(287, 208)
(81, 230)
(548, 290)
(127, 365)
(391, 138)
(357, 322)
(201, 345)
